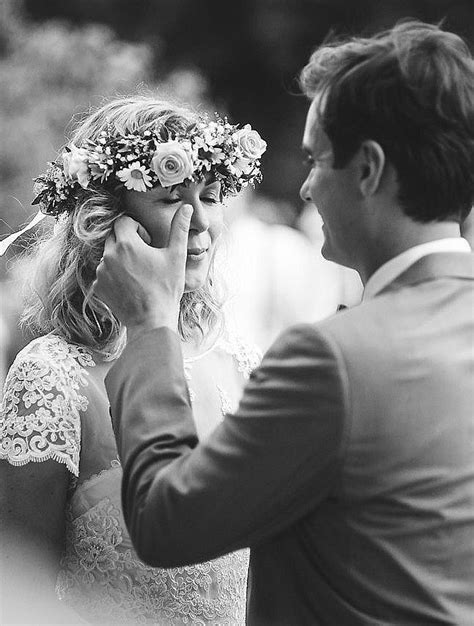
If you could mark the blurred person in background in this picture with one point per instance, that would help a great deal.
(60, 513)
(278, 276)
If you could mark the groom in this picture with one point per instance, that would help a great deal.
(348, 467)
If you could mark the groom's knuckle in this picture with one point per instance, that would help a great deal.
(122, 248)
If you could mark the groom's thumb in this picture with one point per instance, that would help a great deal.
(178, 241)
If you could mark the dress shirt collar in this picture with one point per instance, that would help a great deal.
(396, 266)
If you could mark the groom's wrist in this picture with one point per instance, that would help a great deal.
(150, 323)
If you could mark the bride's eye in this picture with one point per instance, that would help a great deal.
(210, 200)
(169, 200)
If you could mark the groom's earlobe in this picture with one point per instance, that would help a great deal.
(373, 163)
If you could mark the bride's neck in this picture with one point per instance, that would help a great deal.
(198, 344)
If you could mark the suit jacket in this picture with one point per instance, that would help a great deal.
(348, 467)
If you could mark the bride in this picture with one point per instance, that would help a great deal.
(63, 530)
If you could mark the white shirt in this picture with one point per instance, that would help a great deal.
(396, 266)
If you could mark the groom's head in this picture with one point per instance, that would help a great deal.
(389, 133)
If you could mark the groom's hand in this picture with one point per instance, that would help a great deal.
(143, 285)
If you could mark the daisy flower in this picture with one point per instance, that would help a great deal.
(135, 176)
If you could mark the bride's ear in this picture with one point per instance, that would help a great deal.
(372, 164)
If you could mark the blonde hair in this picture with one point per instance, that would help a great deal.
(60, 269)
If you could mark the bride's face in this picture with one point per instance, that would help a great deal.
(154, 210)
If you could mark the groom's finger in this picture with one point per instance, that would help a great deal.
(178, 240)
(132, 225)
(126, 228)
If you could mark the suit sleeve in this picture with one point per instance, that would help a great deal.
(264, 468)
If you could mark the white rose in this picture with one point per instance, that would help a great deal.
(75, 163)
(250, 143)
(171, 163)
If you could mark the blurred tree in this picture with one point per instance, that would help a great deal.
(250, 51)
(58, 58)
(50, 72)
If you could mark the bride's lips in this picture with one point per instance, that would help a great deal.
(196, 254)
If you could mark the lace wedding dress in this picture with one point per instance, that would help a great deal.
(55, 407)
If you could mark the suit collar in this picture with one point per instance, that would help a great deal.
(398, 264)
(433, 266)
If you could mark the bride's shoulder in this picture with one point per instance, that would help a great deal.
(52, 359)
(246, 355)
(43, 397)
(56, 350)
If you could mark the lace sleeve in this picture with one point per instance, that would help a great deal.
(39, 413)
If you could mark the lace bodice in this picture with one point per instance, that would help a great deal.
(55, 407)
(102, 577)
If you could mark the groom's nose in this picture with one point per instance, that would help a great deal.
(304, 191)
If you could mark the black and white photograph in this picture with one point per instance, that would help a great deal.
(237, 312)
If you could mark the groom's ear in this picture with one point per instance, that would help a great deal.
(371, 167)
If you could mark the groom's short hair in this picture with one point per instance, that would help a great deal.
(411, 89)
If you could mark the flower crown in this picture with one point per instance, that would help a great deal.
(144, 160)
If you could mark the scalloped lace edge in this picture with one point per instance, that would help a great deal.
(54, 456)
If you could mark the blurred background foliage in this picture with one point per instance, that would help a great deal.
(241, 57)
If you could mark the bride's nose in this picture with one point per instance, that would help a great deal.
(200, 218)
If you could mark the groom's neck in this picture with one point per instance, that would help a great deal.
(391, 239)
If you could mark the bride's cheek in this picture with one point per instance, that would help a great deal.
(216, 227)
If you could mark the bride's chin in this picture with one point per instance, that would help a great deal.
(192, 285)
